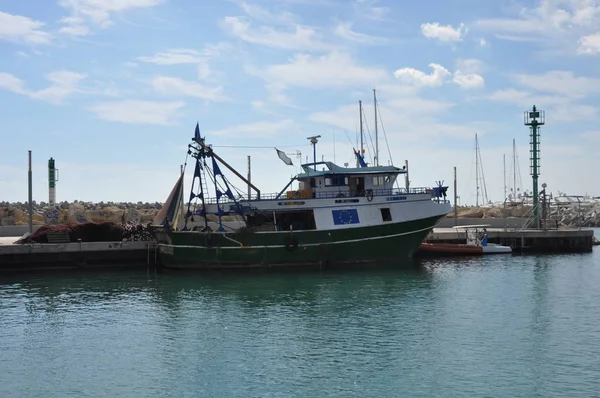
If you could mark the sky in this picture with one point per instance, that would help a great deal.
(113, 89)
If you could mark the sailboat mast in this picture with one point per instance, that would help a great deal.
(504, 173)
(376, 133)
(476, 171)
(514, 169)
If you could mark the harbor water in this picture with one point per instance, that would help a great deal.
(498, 326)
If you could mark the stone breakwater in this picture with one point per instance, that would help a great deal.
(79, 212)
(564, 212)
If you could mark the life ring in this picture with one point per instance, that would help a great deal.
(291, 243)
(369, 194)
(297, 194)
(340, 195)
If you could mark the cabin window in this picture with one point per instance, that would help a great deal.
(336, 181)
(295, 220)
(386, 215)
(377, 180)
(387, 178)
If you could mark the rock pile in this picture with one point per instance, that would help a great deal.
(561, 211)
(78, 212)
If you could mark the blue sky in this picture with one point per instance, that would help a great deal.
(113, 89)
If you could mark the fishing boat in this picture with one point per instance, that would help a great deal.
(476, 244)
(325, 215)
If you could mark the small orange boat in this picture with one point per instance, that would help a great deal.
(448, 249)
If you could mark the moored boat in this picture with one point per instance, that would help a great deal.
(476, 244)
(334, 215)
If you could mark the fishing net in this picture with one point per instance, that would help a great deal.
(91, 232)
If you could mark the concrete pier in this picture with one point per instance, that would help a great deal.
(78, 255)
(525, 240)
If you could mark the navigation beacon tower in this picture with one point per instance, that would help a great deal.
(534, 119)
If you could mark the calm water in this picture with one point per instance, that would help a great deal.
(515, 326)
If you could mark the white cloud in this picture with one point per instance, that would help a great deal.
(511, 96)
(572, 112)
(560, 82)
(20, 29)
(333, 70)
(138, 112)
(525, 99)
(555, 22)
(344, 30)
(589, 44)
(469, 65)
(444, 33)
(63, 84)
(176, 86)
(482, 42)
(377, 13)
(299, 38)
(74, 26)
(97, 12)
(11, 83)
(468, 73)
(180, 56)
(561, 107)
(174, 57)
(258, 129)
(468, 80)
(416, 77)
(265, 16)
(369, 10)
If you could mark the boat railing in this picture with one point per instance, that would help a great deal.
(392, 193)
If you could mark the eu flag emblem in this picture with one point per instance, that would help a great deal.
(343, 217)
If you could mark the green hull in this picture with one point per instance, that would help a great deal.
(200, 250)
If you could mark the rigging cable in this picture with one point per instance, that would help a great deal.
(387, 144)
(370, 137)
(385, 136)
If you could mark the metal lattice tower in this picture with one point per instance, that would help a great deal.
(534, 119)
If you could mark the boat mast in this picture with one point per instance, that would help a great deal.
(376, 135)
(476, 171)
(361, 130)
(504, 172)
(514, 169)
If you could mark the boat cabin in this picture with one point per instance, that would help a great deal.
(328, 180)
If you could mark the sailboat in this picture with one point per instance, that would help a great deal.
(338, 215)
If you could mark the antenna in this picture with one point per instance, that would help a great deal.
(313, 140)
